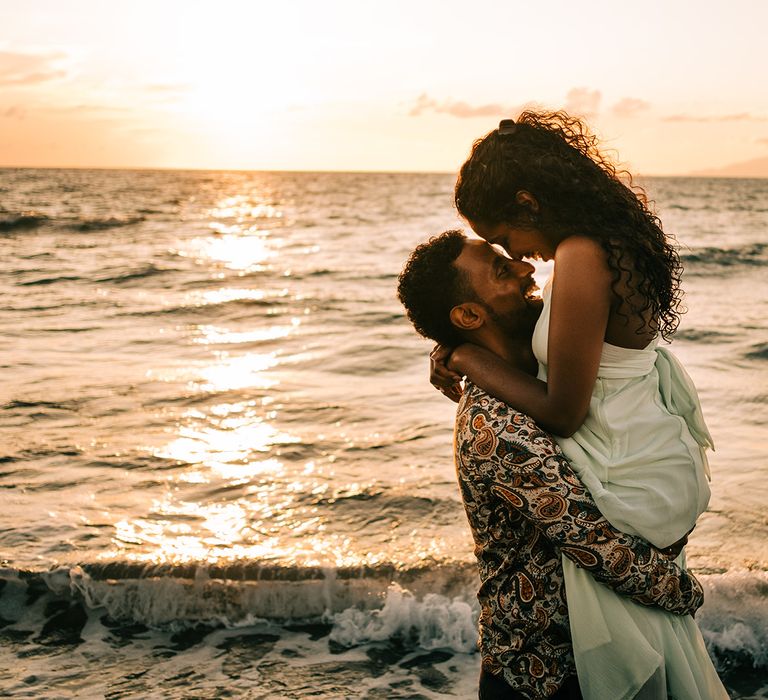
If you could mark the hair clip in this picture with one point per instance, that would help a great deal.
(507, 127)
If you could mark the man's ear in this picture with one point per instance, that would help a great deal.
(527, 200)
(467, 317)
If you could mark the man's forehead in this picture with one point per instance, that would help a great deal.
(475, 252)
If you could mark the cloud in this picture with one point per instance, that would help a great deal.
(583, 102)
(93, 108)
(630, 107)
(166, 91)
(29, 69)
(13, 112)
(166, 87)
(740, 117)
(462, 110)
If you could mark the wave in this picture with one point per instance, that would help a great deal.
(22, 221)
(66, 405)
(759, 351)
(100, 224)
(734, 618)
(356, 361)
(754, 254)
(119, 277)
(433, 602)
(49, 280)
(698, 335)
(218, 309)
(375, 319)
(233, 593)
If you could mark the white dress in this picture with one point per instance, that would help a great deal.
(640, 452)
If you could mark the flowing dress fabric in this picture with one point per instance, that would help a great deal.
(640, 452)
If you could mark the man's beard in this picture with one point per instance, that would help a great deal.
(514, 324)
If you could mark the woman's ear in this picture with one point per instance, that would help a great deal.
(467, 316)
(527, 200)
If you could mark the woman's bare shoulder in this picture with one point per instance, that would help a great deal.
(577, 245)
(582, 255)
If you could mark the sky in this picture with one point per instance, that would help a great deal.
(671, 86)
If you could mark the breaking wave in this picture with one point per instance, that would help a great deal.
(434, 603)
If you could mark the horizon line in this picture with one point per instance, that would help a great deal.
(696, 175)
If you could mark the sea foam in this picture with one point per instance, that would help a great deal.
(432, 606)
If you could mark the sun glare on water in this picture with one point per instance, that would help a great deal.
(227, 448)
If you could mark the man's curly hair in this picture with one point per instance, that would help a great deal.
(579, 190)
(430, 285)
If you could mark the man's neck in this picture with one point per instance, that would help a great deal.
(516, 351)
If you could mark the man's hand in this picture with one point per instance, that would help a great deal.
(443, 379)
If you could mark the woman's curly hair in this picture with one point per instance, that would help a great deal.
(579, 190)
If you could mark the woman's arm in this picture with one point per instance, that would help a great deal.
(581, 303)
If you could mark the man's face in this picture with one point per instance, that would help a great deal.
(505, 286)
(518, 241)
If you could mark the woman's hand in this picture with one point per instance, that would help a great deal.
(443, 379)
(673, 551)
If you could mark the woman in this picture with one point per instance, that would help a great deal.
(627, 413)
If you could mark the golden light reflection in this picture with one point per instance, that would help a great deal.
(184, 531)
(213, 335)
(215, 448)
(168, 547)
(223, 229)
(225, 503)
(269, 524)
(239, 372)
(235, 251)
(228, 373)
(306, 550)
(242, 208)
(233, 473)
(226, 522)
(227, 447)
(228, 294)
(271, 519)
(188, 531)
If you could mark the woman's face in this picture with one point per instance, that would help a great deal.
(519, 242)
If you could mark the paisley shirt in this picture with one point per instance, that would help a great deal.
(525, 507)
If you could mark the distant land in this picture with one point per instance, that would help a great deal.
(757, 167)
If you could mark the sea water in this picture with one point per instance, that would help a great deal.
(224, 472)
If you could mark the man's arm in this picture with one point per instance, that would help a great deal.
(523, 466)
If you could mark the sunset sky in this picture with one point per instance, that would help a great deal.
(676, 86)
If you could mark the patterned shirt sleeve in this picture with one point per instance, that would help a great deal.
(523, 465)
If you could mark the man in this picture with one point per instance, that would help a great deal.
(524, 504)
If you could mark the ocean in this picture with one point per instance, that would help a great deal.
(224, 472)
